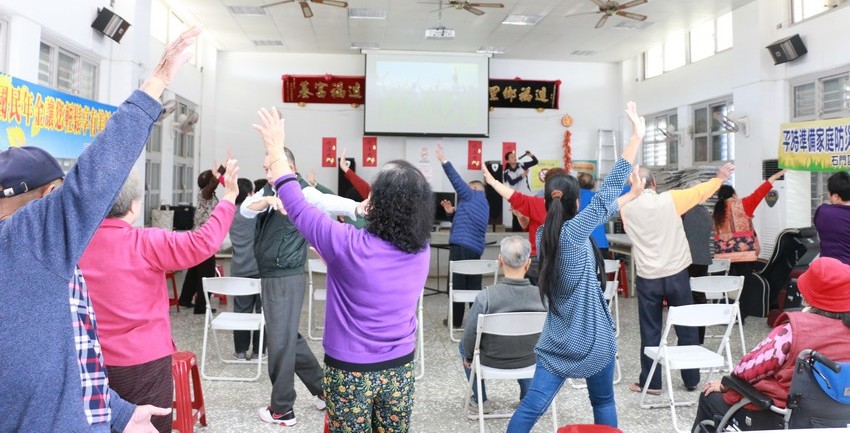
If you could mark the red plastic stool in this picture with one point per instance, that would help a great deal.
(588, 428)
(624, 280)
(169, 276)
(219, 272)
(188, 411)
(327, 428)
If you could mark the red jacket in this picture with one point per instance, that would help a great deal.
(535, 209)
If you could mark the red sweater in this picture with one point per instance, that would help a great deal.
(535, 209)
(358, 183)
(124, 268)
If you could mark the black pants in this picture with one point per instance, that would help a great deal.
(193, 284)
(713, 407)
(462, 282)
(695, 271)
(243, 339)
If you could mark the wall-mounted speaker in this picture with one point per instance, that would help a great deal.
(110, 24)
(786, 50)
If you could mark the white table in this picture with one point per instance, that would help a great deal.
(621, 243)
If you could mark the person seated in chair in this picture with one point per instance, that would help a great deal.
(823, 326)
(511, 294)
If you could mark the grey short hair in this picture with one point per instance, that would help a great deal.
(129, 192)
(515, 251)
(648, 177)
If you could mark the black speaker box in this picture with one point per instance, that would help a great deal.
(110, 24)
(493, 198)
(344, 187)
(786, 50)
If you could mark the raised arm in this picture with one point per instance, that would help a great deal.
(363, 188)
(76, 209)
(685, 199)
(532, 163)
(464, 192)
(502, 189)
(752, 201)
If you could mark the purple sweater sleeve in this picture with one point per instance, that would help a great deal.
(324, 234)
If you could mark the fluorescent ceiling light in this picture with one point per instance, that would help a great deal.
(632, 25)
(491, 50)
(246, 10)
(583, 53)
(522, 20)
(366, 14)
(268, 43)
(365, 46)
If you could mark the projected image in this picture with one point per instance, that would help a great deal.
(427, 97)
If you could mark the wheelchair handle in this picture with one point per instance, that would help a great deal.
(832, 365)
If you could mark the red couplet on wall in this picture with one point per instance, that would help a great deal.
(328, 151)
(507, 146)
(370, 151)
(474, 160)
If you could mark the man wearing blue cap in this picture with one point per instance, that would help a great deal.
(53, 378)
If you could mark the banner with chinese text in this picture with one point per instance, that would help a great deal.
(821, 145)
(474, 158)
(537, 174)
(370, 151)
(524, 94)
(324, 89)
(507, 146)
(328, 151)
(62, 124)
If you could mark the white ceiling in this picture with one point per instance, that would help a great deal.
(553, 38)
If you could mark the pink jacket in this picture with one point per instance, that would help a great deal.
(124, 269)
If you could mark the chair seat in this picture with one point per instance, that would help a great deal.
(320, 294)
(237, 321)
(507, 373)
(686, 357)
(464, 295)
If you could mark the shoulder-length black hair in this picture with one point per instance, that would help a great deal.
(560, 208)
(724, 193)
(401, 210)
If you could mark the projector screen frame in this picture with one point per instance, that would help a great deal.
(366, 54)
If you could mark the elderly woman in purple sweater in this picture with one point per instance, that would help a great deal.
(375, 276)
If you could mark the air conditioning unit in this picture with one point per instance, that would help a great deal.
(439, 33)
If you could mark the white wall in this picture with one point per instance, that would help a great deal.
(247, 81)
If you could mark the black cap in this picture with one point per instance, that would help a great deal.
(26, 168)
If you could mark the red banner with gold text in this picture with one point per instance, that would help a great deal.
(370, 151)
(324, 89)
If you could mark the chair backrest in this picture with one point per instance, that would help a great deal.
(612, 267)
(474, 267)
(811, 404)
(512, 324)
(231, 286)
(317, 265)
(701, 315)
(719, 265)
(722, 286)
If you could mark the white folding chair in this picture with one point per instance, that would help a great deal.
(721, 289)
(689, 357)
(611, 267)
(314, 266)
(467, 267)
(227, 321)
(718, 266)
(420, 337)
(509, 325)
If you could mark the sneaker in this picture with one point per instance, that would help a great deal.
(473, 406)
(255, 355)
(267, 415)
(635, 387)
(241, 356)
(319, 403)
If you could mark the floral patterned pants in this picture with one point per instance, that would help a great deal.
(370, 401)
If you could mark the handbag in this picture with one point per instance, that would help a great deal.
(162, 218)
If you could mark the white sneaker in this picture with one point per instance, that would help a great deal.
(320, 404)
(473, 406)
(286, 419)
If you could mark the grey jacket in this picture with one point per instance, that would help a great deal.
(507, 296)
(698, 225)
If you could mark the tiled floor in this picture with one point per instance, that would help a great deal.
(232, 406)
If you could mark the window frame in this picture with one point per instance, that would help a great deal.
(52, 81)
(656, 139)
(792, 6)
(4, 44)
(711, 132)
(184, 155)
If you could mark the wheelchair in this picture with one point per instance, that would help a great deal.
(819, 397)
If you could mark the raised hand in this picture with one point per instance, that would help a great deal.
(231, 175)
(488, 177)
(311, 178)
(638, 121)
(637, 183)
(439, 153)
(343, 163)
(447, 206)
(725, 171)
(271, 130)
(176, 54)
(777, 175)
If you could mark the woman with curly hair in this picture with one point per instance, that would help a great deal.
(375, 277)
(734, 235)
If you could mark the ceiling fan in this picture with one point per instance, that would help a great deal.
(609, 8)
(466, 5)
(305, 6)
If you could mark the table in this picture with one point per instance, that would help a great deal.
(621, 243)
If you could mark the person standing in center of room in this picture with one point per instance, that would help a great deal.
(469, 224)
(578, 336)
(516, 177)
(244, 265)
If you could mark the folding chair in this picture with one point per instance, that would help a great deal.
(611, 292)
(316, 266)
(689, 357)
(420, 336)
(722, 289)
(227, 321)
(817, 398)
(467, 267)
(718, 266)
(508, 325)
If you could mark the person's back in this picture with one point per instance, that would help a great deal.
(831, 220)
(243, 262)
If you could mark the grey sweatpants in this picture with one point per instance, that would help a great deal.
(288, 352)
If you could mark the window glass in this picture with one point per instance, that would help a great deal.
(724, 32)
(702, 41)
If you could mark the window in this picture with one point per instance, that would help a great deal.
(661, 142)
(724, 32)
(702, 41)
(153, 171)
(674, 52)
(184, 152)
(159, 21)
(653, 61)
(805, 9)
(713, 142)
(4, 26)
(68, 72)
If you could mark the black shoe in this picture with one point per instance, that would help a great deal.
(187, 305)
(204, 311)
(691, 387)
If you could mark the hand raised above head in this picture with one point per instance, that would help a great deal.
(637, 183)
(488, 177)
(725, 171)
(638, 121)
(271, 129)
(343, 163)
(439, 153)
(176, 54)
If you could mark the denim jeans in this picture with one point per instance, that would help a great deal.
(544, 388)
(523, 383)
